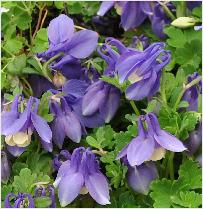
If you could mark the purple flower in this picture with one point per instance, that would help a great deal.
(111, 56)
(22, 200)
(81, 175)
(194, 141)
(62, 38)
(65, 123)
(133, 13)
(151, 143)
(140, 177)
(98, 105)
(140, 42)
(143, 70)
(159, 19)
(191, 94)
(64, 155)
(18, 127)
(5, 167)
(46, 192)
(74, 45)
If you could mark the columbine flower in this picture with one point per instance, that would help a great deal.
(22, 200)
(64, 155)
(159, 19)
(143, 70)
(75, 45)
(140, 177)
(132, 13)
(46, 192)
(5, 167)
(192, 4)
(150, 144)
(18, 127)
(65, 123)
(198, 27)
(80, 175)
(191, 95)
(193, 143)
(100, 102)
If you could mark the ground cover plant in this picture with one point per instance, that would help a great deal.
(101, 104)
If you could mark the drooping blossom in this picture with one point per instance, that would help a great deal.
(66, 122)
(134, 13)
(74, 45)
(143, 70)
(81, 175)
(63, 156)
(160, 19)
(140, 177)
(48, 191)
(5, 167)
(198, 27)
(193, 143)
(19, 126)
(151, 143)
(22, 200)
(191, 95)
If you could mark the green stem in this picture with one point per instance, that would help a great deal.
(46, 70)
(167, 11)
(134, 108)
(189, 85)
(162, 91)
(171, 169)
(28, 85)
(181, 9)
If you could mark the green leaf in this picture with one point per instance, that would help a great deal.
(17, 167)
(40, 41)
(43, 110)
(23, 182)
(116, 171)
(59, 4)
(164, 191)
(13, 45)
(93, 142)
(188, 123)
(17, 65)
(190, 172)
(188, 199)
(42, 202)
(6, 189)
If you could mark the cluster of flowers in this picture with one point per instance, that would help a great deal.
(134, 13)
(85, 101)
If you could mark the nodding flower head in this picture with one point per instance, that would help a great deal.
(81, 175)
(22, 200)
(18, 126)
(151, 143)
(143, 70)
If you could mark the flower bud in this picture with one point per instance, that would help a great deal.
(184, 22)
(59, 80)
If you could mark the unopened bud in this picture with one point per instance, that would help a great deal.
(184, 22)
